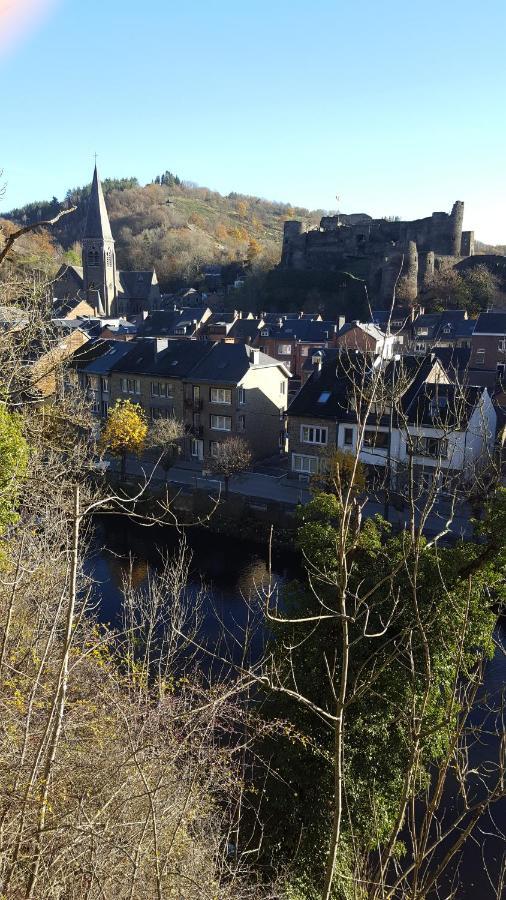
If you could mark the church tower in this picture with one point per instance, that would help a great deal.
(99, 257)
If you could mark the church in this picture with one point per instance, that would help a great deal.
(98, 288)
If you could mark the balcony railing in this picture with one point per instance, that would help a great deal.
(192, 403)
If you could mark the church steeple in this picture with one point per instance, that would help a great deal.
(99, 257)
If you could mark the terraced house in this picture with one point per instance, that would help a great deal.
(216, 390)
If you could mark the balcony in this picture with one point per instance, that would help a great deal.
(192, 403)
(195, 431)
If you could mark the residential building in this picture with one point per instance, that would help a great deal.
(436, 426)
(451, 328)
(94, 364)
(488, 344)
(290, 339)
(215, 389)
(174, 323)
(365, 338)
(236, 389)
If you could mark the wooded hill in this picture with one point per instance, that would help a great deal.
(174, 226)
(179, 228)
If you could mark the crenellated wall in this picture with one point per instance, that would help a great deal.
(383, 252)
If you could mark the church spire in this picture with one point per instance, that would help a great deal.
(97, 221)
(99, 258)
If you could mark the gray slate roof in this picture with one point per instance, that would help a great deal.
(229, 363)
(135, 285)
(97, 220)
(491, 323)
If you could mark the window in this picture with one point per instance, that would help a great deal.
(324, 396)
(160, 412)
(422, 332)
(348, 437)
(241, 423)
(214, 448)
(241, 396)
(105, 385)
(435, 447)
(307, 465)
(284, 349)
(304, 351)
(480, 357)
(221, 423)
(96, 406)
(197, 448)
(221, 395)
(373, 438)
(313, 434)
(130, 386)
(282, 387)
(502, 345)
(265, 332)
(161, 389)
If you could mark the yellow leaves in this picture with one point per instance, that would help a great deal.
(126, 428)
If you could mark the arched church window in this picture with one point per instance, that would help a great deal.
(93, 256)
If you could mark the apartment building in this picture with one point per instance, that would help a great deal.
(438, 427)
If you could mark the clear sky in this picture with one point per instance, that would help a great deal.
(398, 107)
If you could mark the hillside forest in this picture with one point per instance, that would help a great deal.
(180, 228)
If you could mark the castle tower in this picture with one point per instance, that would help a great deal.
(99, 257)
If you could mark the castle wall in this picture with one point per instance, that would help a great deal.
(375, 248)
(467, 243)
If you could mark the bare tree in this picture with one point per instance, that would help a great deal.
(231, 457)
(386, 622)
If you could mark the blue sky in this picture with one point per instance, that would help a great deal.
(397, 107)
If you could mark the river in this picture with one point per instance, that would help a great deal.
(229, 572)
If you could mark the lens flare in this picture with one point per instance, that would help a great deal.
(18, 18)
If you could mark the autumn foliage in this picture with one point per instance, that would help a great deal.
(125, 431)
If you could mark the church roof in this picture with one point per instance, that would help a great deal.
(135, 285)
(97, 220)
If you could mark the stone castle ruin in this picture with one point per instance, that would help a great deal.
(381, 252)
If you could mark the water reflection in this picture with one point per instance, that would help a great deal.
(229, 572)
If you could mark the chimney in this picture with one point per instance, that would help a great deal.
(317, 361)
(340, 322)
(159, 344)
(254, 356)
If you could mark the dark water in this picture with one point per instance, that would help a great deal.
(227, 572)
(231, 572)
